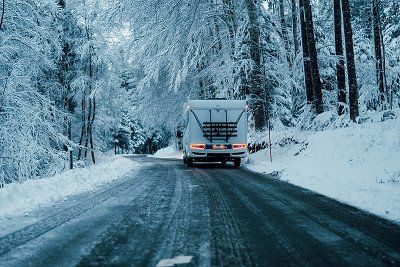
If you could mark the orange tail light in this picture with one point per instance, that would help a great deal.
(197, 146)
(239, 146)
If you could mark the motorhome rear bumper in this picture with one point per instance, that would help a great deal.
(214, 155)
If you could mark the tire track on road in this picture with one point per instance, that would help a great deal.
(30, 232)
(361, 240)
(154, 228)
(277, 242)
(372, 225)
(228, 245)
(183, 237)
(132, 239)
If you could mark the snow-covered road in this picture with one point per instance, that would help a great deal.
(165, 213)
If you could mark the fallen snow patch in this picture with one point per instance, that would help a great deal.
(18, 198)
(175, 261)
(168, 153)
(358, 164)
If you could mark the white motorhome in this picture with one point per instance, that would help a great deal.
(215, 130)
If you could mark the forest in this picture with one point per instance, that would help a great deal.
(82, 77)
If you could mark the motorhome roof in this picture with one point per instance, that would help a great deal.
(214, 103)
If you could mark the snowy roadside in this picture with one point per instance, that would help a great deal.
(358, 165)
(16, 199)
(167, 153)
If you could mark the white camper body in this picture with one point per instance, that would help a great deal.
(215, 131)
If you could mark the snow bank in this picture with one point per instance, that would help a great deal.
(20, 198)
(167, 153)
(359, 164)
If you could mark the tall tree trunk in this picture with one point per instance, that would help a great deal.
(83, 127)
(294, 28)
(284, 31)
(316, 80)
(351, 65)
(306, 56)
(91, 130)
(231, 22)
(379, 60)
(67, 122)
(89, 119)
(256, 80)
(340, 71)
(387, 94)
(71, 155)
(91, 110)
(66, 97)
(3, 9)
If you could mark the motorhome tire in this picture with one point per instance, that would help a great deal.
(237, 162)
(189, 162)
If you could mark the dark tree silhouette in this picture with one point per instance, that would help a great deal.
(379, 55)
(351, 65)
(340, 69)
(306, 56)
(315, 77)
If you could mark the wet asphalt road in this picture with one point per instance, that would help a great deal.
(219, 215)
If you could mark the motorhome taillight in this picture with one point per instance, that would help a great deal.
(197, 146)
(239, 146)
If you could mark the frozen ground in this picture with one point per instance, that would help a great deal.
(16, 199)
(167, 153)
(358, 164)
